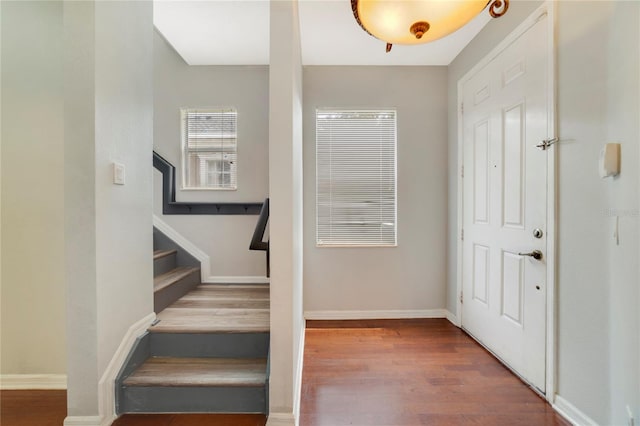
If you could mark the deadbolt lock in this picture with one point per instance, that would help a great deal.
(538, 233)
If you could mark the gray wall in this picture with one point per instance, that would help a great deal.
(411, 276)
(285, 188)
(598, 88)
(108, 228)
(32, 195)
(176, 85)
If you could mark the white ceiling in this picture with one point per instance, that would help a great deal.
(236, 32)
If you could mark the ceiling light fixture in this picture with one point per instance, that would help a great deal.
(419, 21)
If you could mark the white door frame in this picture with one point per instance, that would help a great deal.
(548, 9)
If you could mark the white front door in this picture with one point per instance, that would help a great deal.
(505, 204)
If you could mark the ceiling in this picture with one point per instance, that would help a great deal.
(236, 32)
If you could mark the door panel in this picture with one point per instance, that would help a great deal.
(481, 170)
(504, 200)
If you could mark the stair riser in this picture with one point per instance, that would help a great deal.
(168, 295)
(162, 242)
(164, 264)
(210, 345)
(139, 353)
(224, 399)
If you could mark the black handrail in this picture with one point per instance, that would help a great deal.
(258, 232)
(171, 206)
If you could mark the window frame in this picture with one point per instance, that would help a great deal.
(184, 111)
(393, 244)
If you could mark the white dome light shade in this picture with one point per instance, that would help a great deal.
(419, 21)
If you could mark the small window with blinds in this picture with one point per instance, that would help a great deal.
(210, 146)
(355, 178)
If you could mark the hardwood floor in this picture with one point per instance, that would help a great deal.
(409, 372)
(33, 407)
(49, 408)
(361, 373)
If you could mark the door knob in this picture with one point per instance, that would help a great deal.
(536, 254)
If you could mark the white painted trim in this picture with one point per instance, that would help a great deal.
(33, 381)
(453, 319)
(571, 413)
(236, 280)
(83, 421)
(552, 205)
(281, 419)
(364, 315)
(297, 384)
(106, 386)
(187, 245)
(549, 9)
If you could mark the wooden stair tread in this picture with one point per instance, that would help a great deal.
(203, 292)
(196, 303)
(211, 320)
(159, 254)
(198, 372)
(165, 280)
(210, 286)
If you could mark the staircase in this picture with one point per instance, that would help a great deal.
(208, 350)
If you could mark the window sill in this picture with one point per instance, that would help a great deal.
(356, 245)
(208, 189)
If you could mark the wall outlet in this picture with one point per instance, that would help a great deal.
(630, 419)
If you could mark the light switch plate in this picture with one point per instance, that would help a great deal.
(118, 174)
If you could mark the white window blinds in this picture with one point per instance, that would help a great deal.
(356, 177)
(210, 148)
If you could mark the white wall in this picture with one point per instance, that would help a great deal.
(177, 85)
(285, 189)
(622, 124)
(411, 276)
(108, 228)
(597, 280)
(33, 301)
(124, 134)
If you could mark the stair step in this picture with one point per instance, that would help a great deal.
(228, 292)
(192, 399)
(209, 345)
(172, 285)
(164, 261)
(195, 303)
(159, 254)
(168, 278)
(199, 372)
(200, 320)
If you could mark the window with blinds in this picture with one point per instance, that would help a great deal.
(356, 177)
(210, 148)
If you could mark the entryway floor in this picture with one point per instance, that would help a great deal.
(410, 372)
(361, 373)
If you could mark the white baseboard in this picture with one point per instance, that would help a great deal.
(33, 381)
(363, 315)
(83, 421)
(453, 319)
(281, 419)
(106, 386)
(571, 413)
(235, 280)
(187, 245)
(297, 388)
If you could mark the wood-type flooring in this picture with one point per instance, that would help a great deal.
(361, 373)
(409, 373)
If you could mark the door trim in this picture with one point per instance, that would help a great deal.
(549, 9)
